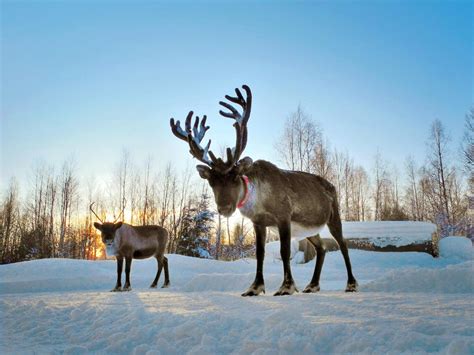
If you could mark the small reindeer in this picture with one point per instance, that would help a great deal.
(295, 203)
(133, 242)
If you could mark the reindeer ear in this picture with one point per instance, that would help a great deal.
(98, 226)
(204, 171)
(118, 225)
(243, 165)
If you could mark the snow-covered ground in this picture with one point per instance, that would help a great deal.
(408, 302)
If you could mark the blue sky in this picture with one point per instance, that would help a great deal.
(88, 79)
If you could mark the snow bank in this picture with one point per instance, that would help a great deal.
(456, 247)
(451, 279)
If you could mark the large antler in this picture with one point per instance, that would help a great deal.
(90, 207)
(240, 126)
(194, 135)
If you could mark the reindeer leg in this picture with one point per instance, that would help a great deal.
(128, 266)
(167, 275)
(118, 285)
(288, 286)
(158, 273)
(317, 242)
(258, 286)
(335, 227)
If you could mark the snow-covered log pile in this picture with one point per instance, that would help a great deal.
(386, 236)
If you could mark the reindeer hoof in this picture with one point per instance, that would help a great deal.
(127, 288)
(352, 287)
(153, 286)
(116, 289)
(254, 290)
(166, 285)
(286, 290)
(311, 288)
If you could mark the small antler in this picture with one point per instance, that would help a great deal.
(90, 207)
(123, 209)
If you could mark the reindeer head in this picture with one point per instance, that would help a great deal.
(224, 177)
(107, 229)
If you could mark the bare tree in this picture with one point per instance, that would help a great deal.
(122, 180)
(180, 199)
(348, 179)
(414, 197)
(458, 203)
(390, 208)
(437, 169)
(299, 140)
(321, 161)
(147, 192)
(380, 176)
(37, 238)
(338, 174)
(341, 168)
(168, 183)
(69, 194)
(134, 192)
(9, 215)
(51, 192)
(93, 246)
(468, 147)
(218, 236)
(360, 194)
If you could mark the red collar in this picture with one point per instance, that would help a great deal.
(246, 194)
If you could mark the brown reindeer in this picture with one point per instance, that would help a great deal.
(295, 203)
(128, 242)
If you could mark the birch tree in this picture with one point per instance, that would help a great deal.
(468, 147)
(68, 196)
(438, 170)
(299, 141)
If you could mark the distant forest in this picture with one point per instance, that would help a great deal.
(52, 216)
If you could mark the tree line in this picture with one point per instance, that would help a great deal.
(51, 216)
(437, 190)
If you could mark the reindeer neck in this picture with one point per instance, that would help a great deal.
(248, 196)
(244, 191)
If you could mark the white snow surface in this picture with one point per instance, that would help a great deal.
(408, 303)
